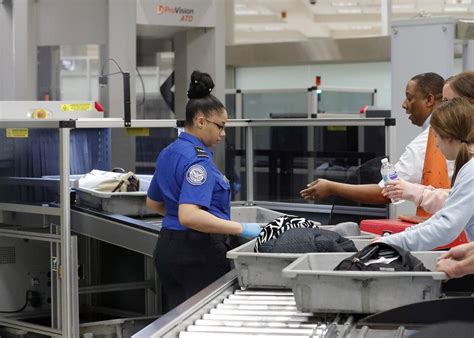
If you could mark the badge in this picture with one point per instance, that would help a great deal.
(196, 175)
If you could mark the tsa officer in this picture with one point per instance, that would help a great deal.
(194, 198)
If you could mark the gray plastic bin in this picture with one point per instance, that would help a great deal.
(253, 214)
(263, 270)
(317, 288)
(123, 203)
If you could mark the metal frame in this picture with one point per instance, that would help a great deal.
(67, 318)
(170, 324)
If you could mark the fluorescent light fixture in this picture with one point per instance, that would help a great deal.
(361, 27)
(273, 28)
(260, 28)
(349, 10)
(403, 6)
(343, 4)
(460, 2)
(455, 9)
(246, 11)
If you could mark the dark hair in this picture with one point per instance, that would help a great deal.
(463, 84)
(455, 119)
(429, 83)
(200, 97)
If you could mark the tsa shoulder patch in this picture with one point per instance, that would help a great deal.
(200, 152)
(196, 174)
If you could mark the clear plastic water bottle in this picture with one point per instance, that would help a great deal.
(389, 174)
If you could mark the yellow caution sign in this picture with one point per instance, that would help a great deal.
(138, 131)
(17, 132)
(77, 107)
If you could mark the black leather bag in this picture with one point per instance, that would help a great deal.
(404, 260)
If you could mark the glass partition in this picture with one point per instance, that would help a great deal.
(275, 104)
(291, 157)
(338, 101)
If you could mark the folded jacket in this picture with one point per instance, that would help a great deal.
(303, 240)
(281, 224)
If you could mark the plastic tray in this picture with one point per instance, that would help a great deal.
(123, 203)
(317, 288)
(253, 214)
(263, 270)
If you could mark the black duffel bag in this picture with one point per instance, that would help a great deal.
(381, 257)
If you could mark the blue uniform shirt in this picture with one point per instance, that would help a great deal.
(186, 174)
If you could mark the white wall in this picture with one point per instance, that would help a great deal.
(358, 75)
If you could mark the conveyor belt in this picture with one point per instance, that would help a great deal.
(262, 313)
(223, 310)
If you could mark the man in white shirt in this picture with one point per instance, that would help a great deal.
(423, 94)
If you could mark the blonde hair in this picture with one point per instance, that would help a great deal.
(455, 119)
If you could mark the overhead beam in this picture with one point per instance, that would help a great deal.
(321, 50)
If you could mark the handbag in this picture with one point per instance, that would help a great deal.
(381, 257)
(107, 181)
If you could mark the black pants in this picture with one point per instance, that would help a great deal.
(188, 261)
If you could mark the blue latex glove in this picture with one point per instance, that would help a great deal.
(250, 230)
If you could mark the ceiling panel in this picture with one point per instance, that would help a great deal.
(259, 21)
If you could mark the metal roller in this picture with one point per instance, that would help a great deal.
(259, 313)
(254, 330)
(238, 323)
(234, 335)
(261, 318)
(260, 302)
(263, 293)
(256, 307)
(262, 297)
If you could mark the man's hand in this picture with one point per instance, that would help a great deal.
(317, 189)
(459, 252)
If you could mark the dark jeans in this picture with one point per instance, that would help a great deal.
(188, 261)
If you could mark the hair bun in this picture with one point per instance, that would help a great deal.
(201, 85)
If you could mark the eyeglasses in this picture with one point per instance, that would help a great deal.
(221, 127)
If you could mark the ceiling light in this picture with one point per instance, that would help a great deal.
(246, 11)
(361, 27)
(260, 28)
(273, 28)
(349, 10)
(403, 6)
(455, 9)
(343, 4)
(455, 2)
